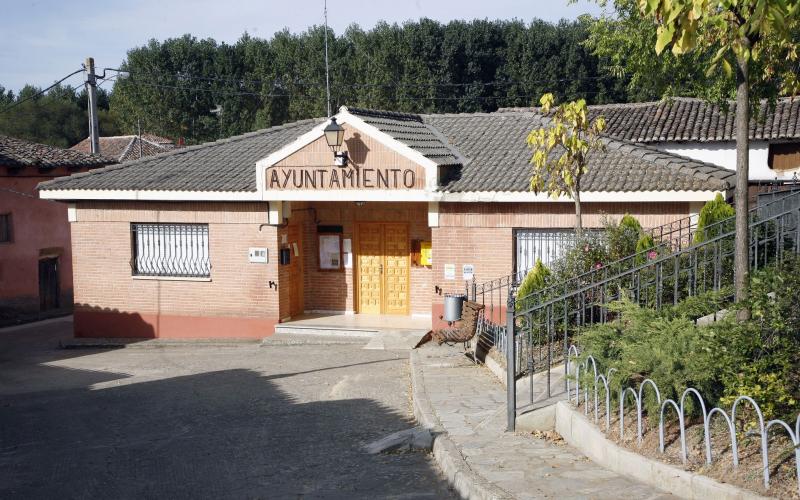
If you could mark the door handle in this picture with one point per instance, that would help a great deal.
(380, 266)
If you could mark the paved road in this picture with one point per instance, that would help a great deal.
(203, 421)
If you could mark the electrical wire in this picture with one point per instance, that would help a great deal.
(242, 81)
(17, 103)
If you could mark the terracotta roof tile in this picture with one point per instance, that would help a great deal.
(20, 153)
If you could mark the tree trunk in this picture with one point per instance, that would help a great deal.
(576, 196)
(741, 263)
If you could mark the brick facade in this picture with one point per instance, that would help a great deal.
(236, 302)
(482, 234)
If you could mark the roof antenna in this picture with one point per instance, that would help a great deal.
(327, 71)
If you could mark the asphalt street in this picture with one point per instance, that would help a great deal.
(203, 421)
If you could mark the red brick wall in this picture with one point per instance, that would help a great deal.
(481, 234)
(236, 302)
(37, 225)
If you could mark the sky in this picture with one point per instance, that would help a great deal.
(44, 40)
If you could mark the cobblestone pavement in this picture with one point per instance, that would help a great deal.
(203, 421)
(470, 405)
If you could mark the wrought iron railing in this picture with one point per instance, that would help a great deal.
(601, 381)
(542, 330)
(673, 235)
(494, 293)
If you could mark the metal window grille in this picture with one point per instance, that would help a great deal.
(546, 245)
(174, 250)
(5, 228)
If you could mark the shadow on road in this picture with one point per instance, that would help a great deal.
(221, 434)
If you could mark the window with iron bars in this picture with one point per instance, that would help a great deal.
(547, 245)
(5, 228)
(170, 250)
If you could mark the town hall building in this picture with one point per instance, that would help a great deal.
(368, 213)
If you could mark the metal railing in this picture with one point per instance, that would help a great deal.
(637, 394)
(173, 250)
(494, 294)
(544, 328)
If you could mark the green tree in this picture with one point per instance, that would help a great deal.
(745, 35)
(58, 117)
(560, 151)
(713, 211)
(623, 44)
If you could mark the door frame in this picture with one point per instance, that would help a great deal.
(356, 282)
(54, 284)
(296, 260)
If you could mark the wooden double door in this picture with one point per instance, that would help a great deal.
(383, 268)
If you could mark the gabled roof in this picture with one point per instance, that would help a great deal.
(127, 147)
(410, 130)
(224, 165)
(17, 153)
(685, 119)
(481, 152)
(500, 159)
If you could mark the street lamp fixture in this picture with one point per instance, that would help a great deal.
(334, 135)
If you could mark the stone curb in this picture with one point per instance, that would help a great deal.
(579, 432)
(121, 343)
(466, 482)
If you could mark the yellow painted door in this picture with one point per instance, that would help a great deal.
(370, 268)
(396, 268)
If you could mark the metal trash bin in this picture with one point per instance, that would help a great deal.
(453, 302)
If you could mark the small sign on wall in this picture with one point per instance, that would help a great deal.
(468, 271)
(425, 254)
(257, 255)
(449, 271)
(347, 253)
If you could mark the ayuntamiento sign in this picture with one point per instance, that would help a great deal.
(304, 178)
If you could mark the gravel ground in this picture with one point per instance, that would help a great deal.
(279, 421)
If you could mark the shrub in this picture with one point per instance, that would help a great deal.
(622, 238)
(588, 253)
(643, 244)
(758, 357)
(764, 352)
(640, 344)
(536, 279)
(712, 212)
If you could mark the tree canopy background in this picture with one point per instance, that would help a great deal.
(201, 90)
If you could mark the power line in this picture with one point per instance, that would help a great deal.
(39, 93)
(277, 82)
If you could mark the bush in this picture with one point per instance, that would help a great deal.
(588, 253)
(622, 238)
(758, 357)
(712, 212)
(764, 356)
(536, 279)
(640, 344)
(643, 244)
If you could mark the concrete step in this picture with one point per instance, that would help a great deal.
(289, 328)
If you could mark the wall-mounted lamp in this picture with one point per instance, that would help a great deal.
(334, 135)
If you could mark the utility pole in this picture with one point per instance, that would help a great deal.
(91, 90)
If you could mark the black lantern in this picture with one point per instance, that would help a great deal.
(334, 135)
